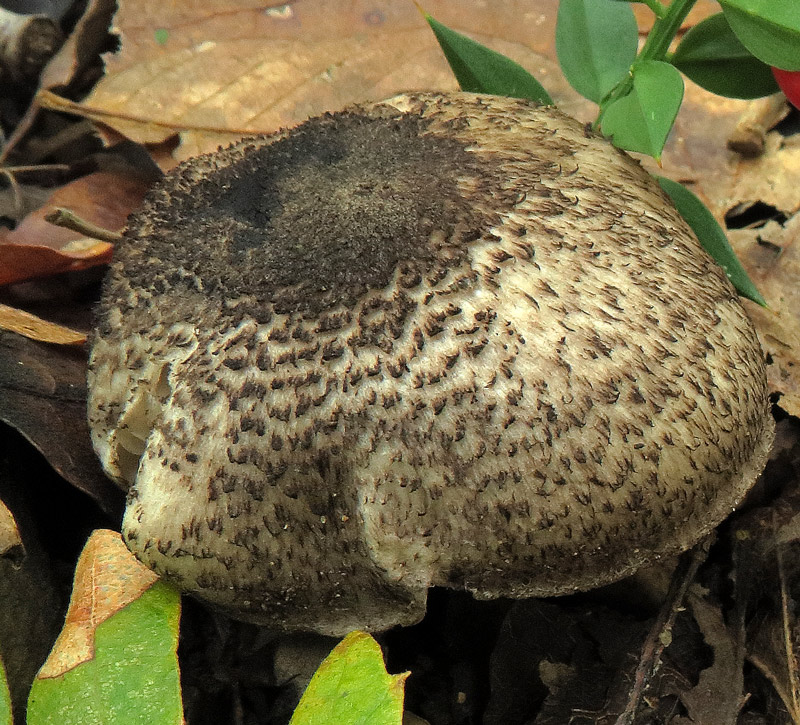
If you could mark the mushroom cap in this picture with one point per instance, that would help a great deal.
(441, 340)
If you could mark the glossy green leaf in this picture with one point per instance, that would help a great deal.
(133, 677)
(641, 120)
(711, 236)
(481, 70)
(714, 58)
(5, 698)
(352, 686)
(769, 29)
(596, 43)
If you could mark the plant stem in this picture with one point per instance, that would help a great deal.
(664, 30)
(658, 8)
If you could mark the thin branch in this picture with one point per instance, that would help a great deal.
(65, 218)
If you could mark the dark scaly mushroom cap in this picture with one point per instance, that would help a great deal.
(447, 340)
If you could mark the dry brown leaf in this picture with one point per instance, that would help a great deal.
(36, 248)
(77, 53)
(246, 66)
(771, 178)
(43, 396)
(35, 328)
(718, 695)
(107, 578)
(697, 155)
(771, 255)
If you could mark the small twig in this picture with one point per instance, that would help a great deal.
(791, 662)
(36, 168)
(655, 643)
(65, 218)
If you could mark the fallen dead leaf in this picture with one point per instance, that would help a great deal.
(107, 578)
(770, 178)
(771, 255)
(718, 695)
(253, 67)
(43, 396)
(35, 328)
(72, 61)
(36, 248)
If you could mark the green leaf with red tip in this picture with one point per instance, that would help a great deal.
(352, 686)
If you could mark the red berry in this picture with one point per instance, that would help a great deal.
(789, 81)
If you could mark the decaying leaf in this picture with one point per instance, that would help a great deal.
(255, 67)
(115, 660)
(43, 396)
(767, 559)
(31, 603)
(37, 248)
(107, 579)
(772, 256)
(718, 695)
(697, 155)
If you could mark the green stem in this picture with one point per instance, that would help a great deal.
(657, 8)
(664, 30)
(655, 47)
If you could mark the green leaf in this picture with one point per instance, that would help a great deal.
(769, 29)
(596, 43)
(481, 70)
(714, 58)
(641, 120)
(132, 678)
(5, 698)
(711, 236)
(352, 686)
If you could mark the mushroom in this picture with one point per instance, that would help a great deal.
(441, 340)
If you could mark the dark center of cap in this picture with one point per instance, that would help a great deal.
(325, 213)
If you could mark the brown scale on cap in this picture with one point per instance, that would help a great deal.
(443, 340)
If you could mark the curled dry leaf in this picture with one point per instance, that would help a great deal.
(770, 178)
(107, 579)
(697, 155)
(36, 248)
(72, 61)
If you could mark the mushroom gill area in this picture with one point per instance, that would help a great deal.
(443, 340)
(129, 439)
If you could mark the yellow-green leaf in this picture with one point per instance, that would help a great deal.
(352, 687)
